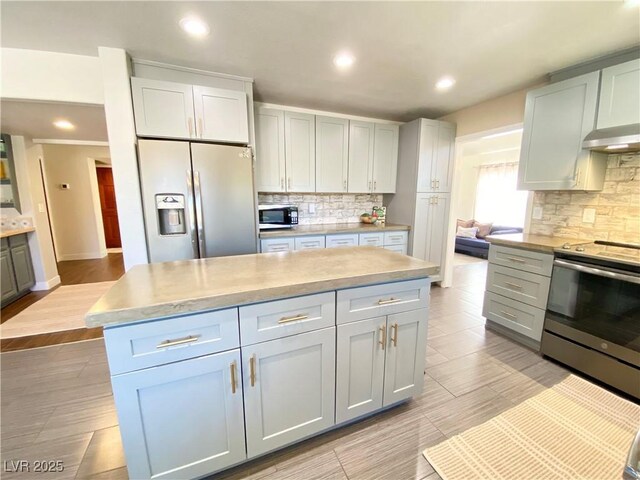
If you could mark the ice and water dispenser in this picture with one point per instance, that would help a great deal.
(170, 209)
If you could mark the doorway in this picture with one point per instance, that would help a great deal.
(108, 207)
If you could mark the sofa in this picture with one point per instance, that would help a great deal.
(479, 247)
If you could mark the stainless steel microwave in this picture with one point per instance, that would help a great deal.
(277, 216)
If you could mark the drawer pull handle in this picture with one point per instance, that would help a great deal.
(517, 260)
(179, 341)
(252, 370)
(233, 377)
(507, 314)
(394, 338)
(293, 319)
(383, 336)
(513, 285)
(390, 301)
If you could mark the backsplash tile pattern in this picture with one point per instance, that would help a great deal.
(617, 206)
(329, 208)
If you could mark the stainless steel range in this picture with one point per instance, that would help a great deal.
(592, 321)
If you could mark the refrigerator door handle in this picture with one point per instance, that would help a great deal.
(192, 215)
(199, 217)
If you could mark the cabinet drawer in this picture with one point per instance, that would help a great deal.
(525, 260)
(378, 300)
(372, 239)
(138, 346)
(306, 243)
(522, 286)
(18, 240)
(397, 248)
(348, 240)
(277, 245)
(395, 238)
(517, 316)
(282, 318)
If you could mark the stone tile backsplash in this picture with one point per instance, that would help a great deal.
(329, 208)
(617, 206)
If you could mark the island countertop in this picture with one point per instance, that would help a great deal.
(174, 288)
(331, 228)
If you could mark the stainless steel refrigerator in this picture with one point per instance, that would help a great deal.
(198, 199)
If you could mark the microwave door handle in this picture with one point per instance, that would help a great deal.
(597, 271)
(192, 215)
(199, 216)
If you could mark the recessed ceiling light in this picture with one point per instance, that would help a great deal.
(343, 60)
(194, 27)
(445, 83)
(64, 124)
(617, 147)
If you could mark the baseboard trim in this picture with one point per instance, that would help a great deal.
(82, 256)
(47, 284)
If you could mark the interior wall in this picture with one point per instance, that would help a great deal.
(491, 114)
(75, 212)
(32, 205)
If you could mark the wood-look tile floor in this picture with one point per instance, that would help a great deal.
(57, 403)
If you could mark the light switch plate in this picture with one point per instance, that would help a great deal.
(537, 213)
(589, 215)
(312, 208)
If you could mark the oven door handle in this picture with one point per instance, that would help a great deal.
(597, 271)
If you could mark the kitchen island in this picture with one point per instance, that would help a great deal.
(221, 360)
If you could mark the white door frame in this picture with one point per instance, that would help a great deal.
(447, 279)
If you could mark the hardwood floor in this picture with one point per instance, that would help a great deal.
(57, 403)
(72, 272)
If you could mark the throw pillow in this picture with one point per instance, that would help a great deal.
(464, 223)
(484, 229)
(467, 232)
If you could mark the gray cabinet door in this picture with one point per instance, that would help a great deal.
(221, 114)
(21, 259)
(556, 120)
(182, 420)
(385, 158)
(300, 148)
(360, 367)
(361, 144)
(289, 389)
(9, 288)
(332, 154)
(620, 95)
(406, 349)
(270, 157)
(442, 169)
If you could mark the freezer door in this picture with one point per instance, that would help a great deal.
(165, 171)
(225, 206)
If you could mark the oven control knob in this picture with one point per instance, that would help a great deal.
(566, 246)
(579, 249)
(604, 345)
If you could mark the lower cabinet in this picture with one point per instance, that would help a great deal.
(380, 362)
(289, 389)
(183, 419)
(16, 268)
(8, 281)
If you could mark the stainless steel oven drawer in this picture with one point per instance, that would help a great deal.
(522, 286)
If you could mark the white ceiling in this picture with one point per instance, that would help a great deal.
(35, 120)
(402, 49)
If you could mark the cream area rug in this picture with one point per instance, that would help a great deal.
(574, 430)
(61, 310)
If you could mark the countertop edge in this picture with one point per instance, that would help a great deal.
(132, 315)
(527, 245)
(16, 231)
(347, 228)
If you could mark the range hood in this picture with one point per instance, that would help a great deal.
(621, 139)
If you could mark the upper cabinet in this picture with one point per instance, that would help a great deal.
(620, 95)
(332, 154)
(175, 110)
(385, 158)
(285, 151)
(435, 156)
(221, 115)
(556, 120)
(324, 154)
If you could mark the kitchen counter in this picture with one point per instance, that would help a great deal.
(331, 228)
(541, 243)
(174, 288)
(17, 231)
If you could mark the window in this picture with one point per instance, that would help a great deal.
(497, 200)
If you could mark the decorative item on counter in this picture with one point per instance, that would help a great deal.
(368, 218)
(381, 213)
